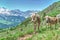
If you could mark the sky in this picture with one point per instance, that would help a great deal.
(24, 5)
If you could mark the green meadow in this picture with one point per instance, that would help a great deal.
(26, 27)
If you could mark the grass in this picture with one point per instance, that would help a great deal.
(44, 34)
(8, 34)
(47, 34)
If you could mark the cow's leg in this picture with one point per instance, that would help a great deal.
(55, 26)
(34, 27)
(47, 25)
(50, 25)
(38, 26)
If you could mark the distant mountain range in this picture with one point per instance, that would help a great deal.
(9, 18)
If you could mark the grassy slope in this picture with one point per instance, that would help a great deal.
(45, 33)
(27, 28)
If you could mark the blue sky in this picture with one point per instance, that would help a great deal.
(24, 5)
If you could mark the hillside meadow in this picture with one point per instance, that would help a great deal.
(27, 27)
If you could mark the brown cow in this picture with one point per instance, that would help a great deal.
(51, 20)
(35, 18)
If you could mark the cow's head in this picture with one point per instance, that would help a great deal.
(33, 17)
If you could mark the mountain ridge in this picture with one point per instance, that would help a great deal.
(15, 16)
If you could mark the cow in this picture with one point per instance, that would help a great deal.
(51, 20)
(35, 18)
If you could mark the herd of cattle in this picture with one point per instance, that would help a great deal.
(35, 18)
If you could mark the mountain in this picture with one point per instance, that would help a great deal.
(9, 18)
(25, 14)
(29, 12)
